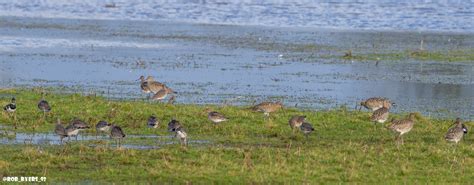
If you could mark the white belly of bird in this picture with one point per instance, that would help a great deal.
(376, 108)
(104, 129)
(73, 133)
(10, 110)
(218, 120)
(381, 120)
(181, 134)
(454, 139)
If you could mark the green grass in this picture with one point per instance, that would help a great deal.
(441, 56)
(248, 149)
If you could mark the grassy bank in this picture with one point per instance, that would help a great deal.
(247, 149)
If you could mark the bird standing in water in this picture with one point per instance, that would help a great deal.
(117, 134)
(11, 110)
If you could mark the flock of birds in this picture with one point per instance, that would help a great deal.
(379, 106)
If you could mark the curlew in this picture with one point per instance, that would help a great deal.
(456, 133)
(267, 107)
(376, 103)
(296, 121)
(379, 116)
(11, 109)
(402, 126)
(144, 85)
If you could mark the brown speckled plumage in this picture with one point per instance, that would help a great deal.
(376, 103)
(455, 133)
(402, 126)
(296, 121)
(268, 107)
(380, 115)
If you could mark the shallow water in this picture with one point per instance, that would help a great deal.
(234, 64)
(401, 14)
(143, 142)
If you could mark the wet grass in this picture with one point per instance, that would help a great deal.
(248, 149)
(419, 55)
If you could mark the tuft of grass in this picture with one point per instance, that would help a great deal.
(247, 149)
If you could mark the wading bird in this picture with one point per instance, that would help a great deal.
(267, 107)
(402, 126)
(182, 135)
(215, 117)
(60, 131)
(43, 105)
(376, 103)
(71, 131)
(306, 128)
(456, 133)
(296, 121)
(379, 116)
(117, 134)
(153, 122)
(144, 85)
(11, 109)
(102, 126)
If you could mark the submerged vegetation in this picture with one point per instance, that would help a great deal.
(247, 149)
(420, 55)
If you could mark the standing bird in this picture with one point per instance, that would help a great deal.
(215, 117)
(144, 85)
(102, 126)
(71, 131)
(43, 105)
(267, 107)
(379, 115)
(117, 134)
(296, 121)
(172, 100)
(79, 124)
(402, 126)
(10, 109)
(376, 103)
(155, 86)
(153, 122)
(306, 128)
(456, 133)
(173, 125)
(182, 135)
(60, 131)
(162, 94)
